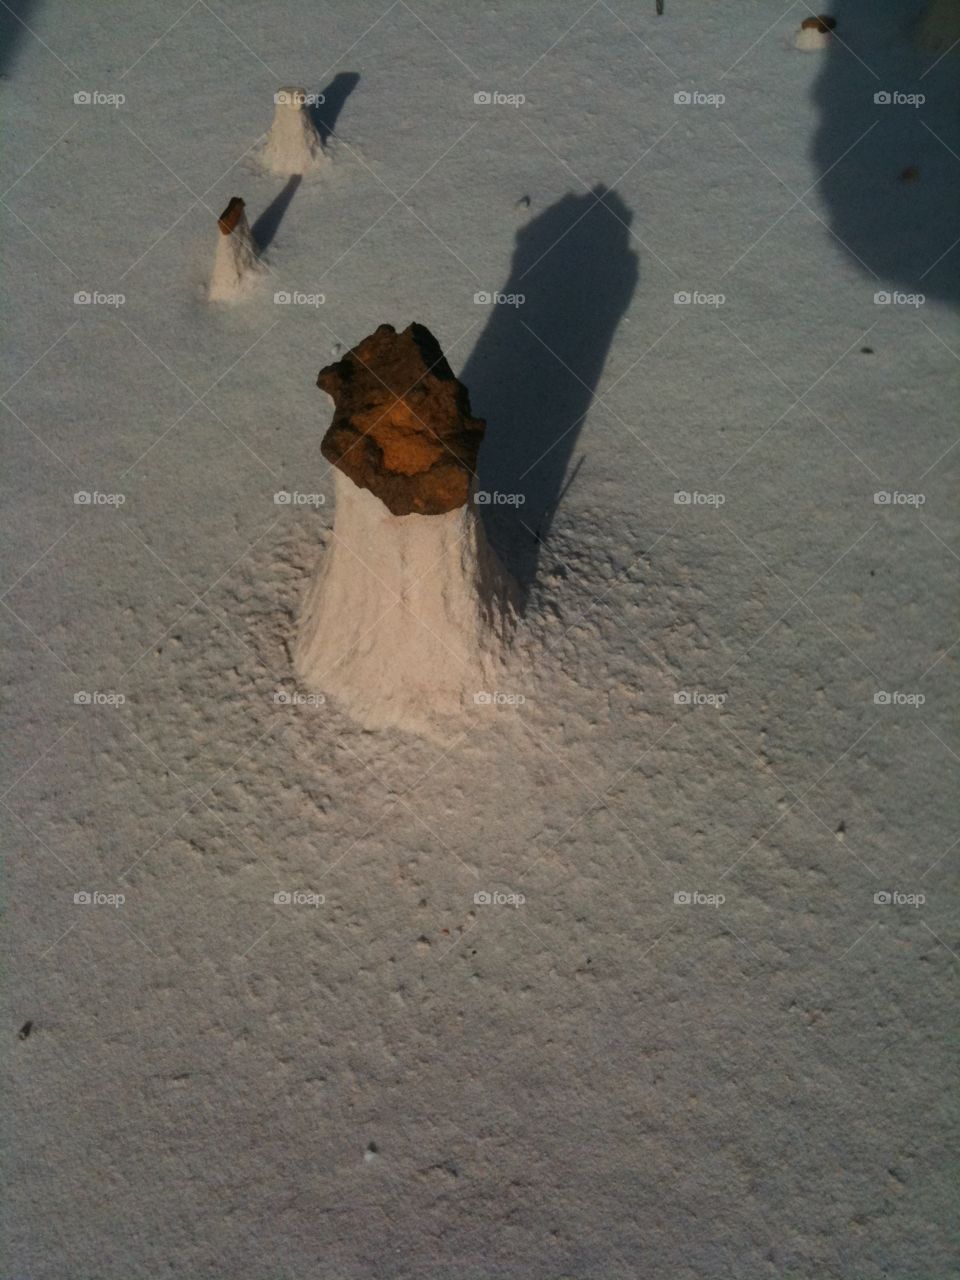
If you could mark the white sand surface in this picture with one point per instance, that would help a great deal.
(677, 1036)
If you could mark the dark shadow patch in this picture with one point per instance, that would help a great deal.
(326, 113)
(892, 198)
(534, 370)
(13, 15)
(266, 226)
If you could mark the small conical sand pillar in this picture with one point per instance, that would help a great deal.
(236, 266)
(294, 145)
(407, 618)
(814, 34)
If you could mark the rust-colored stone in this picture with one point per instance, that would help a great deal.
(402, 426)
(231, 215)
(821, 23)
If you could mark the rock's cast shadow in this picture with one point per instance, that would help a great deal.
(892, 199)
(534, 370)
(13, 19)
(265, 227)
(325, 114)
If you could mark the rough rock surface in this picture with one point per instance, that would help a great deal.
(231, 215)
(402, 427)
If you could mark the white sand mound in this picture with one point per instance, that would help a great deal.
(810, 40)
(236, 267)
(294, 145)
(407, 617)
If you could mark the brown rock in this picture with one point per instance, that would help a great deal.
(402, 427)
(231, 215)
(821, 23)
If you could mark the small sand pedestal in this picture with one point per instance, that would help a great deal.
(410, 611)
